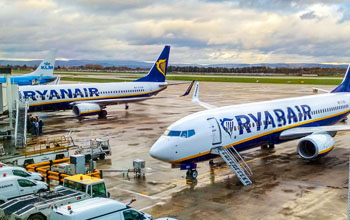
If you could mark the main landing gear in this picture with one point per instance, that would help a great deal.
(268, 147)
(126, 106)
(102, 114)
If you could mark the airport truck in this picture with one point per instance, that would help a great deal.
(38, 207)
(98, 149)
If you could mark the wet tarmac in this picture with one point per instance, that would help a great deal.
(284, 186)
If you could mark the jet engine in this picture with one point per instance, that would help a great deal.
(315, 146)
(85, 109)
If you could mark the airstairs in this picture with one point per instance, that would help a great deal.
(236, 162)
(21, 124)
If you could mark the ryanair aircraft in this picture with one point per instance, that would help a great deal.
(92, 99)
(42, 75)
(310, 119)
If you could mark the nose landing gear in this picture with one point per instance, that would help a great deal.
(191, 174)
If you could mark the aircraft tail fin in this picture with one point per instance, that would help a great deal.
(159, 68)
(345, 84)
(46, 66)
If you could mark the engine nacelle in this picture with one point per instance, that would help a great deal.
(85, 109)
(315, 145)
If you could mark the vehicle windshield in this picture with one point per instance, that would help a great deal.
(184, 134)
(74, 185)
(99, 190)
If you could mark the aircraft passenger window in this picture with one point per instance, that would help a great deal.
(184, 134)
(190, 133)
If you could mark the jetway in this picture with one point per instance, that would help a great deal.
(13, 114)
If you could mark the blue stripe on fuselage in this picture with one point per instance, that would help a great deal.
(269, 138)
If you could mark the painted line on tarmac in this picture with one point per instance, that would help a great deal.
(136, 193)
(151, 206)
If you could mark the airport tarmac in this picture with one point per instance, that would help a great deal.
(284, 186)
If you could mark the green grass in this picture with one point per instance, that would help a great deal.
(282, 80)
(129, 76)
(98, 80)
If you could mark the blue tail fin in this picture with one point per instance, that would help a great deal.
(345, 85)
(159, 68)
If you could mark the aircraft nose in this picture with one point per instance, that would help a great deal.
(160, 150)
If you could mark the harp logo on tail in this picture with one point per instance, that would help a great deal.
(161, 65)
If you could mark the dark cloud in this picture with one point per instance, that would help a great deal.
(308, 15)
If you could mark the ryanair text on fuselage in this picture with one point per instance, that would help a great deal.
(61, 93)
(262, 120)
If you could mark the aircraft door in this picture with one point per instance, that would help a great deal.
(215, 129)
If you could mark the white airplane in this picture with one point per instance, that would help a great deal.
(42, 75)
(92, 99)
(199, 136)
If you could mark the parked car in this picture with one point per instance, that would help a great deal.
(15, 186)
(19, 171)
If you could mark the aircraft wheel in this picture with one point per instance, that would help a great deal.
(194, 174)
(102, 156)
(102, 114)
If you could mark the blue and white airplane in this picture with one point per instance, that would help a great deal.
(42, 75)
(92, 99)
(310, 119)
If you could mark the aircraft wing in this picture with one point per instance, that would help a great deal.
(304, 131)
(105, 102)
(195, 99)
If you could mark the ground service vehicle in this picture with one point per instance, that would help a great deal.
(14, 186)
(99, 209)
(19, 171)
(38, 207)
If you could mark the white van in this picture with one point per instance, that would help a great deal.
(99, 209)
(19, 171)
(14, 186)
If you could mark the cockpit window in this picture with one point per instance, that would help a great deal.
(184, 134)
(191, 133)
(174, 133)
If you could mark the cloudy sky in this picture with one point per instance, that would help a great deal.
(199, 31)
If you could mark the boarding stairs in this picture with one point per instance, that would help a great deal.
(21, 124)
(236, 163)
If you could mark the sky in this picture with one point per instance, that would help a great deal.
(198, 31)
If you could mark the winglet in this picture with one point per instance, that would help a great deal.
(58, 79)
(195, 99)
(189, 89)
(195, 96)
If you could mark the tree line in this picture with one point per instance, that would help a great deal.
(195, 69)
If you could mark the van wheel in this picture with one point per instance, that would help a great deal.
(37, 216)
(41, 190)
(102, 156)
(2, 202)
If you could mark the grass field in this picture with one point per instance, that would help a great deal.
(129, 76)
